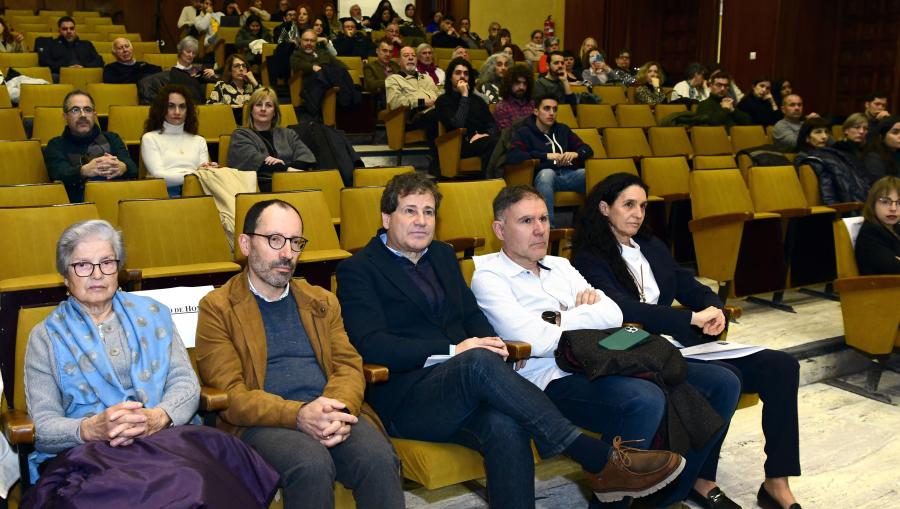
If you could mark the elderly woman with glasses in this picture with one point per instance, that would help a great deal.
(264, 147)
(110, 388)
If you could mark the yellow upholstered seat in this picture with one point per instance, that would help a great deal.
(11, 128)
(364, 177)
(626, 142)
(128, 122)
(710, 141)
(106, 194)
(79, 77)
(596, 116)
(466, 212)
(723, 162)
(25, 195)
(662, 111)
(17, 60)
(164, 60)
(595, 170)
(670, 141)
(397, 135)
(143, 48)
(214, 120)
(328, 181)
(49, 123)
(611, 94)
(449, 147)
(23, 163)
(635, 115)
(565, 115)
(106, 95)
(361, 212)
(747, 136)
(592, 138)
(42, 95)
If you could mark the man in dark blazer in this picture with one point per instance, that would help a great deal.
(377, 70)
(404, 300)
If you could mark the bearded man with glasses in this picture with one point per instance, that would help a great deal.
(83, 152)
(294, 382)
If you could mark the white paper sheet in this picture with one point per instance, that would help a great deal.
(183, 302)
(716, 350)
(436, 359)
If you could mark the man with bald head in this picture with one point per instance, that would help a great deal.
(126, 69)
(785, 132)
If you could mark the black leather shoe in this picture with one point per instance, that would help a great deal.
(767, 501)
(715, 499)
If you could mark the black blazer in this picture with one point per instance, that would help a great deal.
(877, 250)
(674, 282)
(390, 322)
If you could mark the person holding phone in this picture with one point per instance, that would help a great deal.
(649, 80)
(596, 73)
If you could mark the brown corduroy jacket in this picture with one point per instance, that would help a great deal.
(231, 354)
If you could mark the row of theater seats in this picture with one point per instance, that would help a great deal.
(146, 51)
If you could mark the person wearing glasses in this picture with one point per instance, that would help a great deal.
(83, 152)
(235, 87)
(277, 345)
(264, 147)
(110, 388)
(878, 243)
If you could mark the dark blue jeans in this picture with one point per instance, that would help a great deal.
(476, 400)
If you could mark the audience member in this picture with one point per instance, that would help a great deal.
(435, 25)
(109, 403)
(404, 299)
(207, 24)
(352, 43)
(623, 73)
(235, 90)
(300, 404)
(263, 146)
(170, 147)
(425, 64)
(472, 40)
(693, 88)
(550, 44)
(292, 35)
(335, 26)
(855, 130)
(648, 84)
(515, 97)
(447, 37)
(457, 108)
(290, 17)
(617, 254)
(838, 168)
(320, 70)
(323, 40)
(493, 36)
(382, 19)
(362, 23)
(569, 66)
(414, 91)
(504, 42)
(785, 132)
(232, 8)
(83, 152)
(733, 90)
(559, 152)
(491, 77)
(813, 134)
(719, 108)
(375, 18)
(191, 75)
(516, 286)
(10, 41)
(534, 50)
(252, 30)
(392, 34)
(875, 110)
(283, 7)
(878, 242)
(463, 53)
(596, 71)
(582, 61)
(256, 9)
(554, 83)
(126, 69)
(377, 70)
(411, 26)
(881, 155)
(760, 104)
(68, 50)
(188, 17)
(781, 89)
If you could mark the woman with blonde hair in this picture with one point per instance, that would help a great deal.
(264, 147)
(581, 62)
(649, 82)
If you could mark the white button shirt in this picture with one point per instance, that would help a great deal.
(513, 299)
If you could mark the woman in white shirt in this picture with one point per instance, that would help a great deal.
(170, 147)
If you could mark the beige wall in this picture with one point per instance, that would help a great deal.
(519, 16)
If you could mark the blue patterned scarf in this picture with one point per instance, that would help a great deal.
(88, 381)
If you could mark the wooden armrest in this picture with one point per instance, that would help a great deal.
(18, 427)
(389, 114)
(450, 136)
(720, 220)
(843, 208)
(518, 350)
(860, 283)
(732, 312)
(466, 244)
(792, 212)
(212, 399)
(375, 373)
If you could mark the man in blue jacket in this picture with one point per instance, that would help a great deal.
(560, 152)
(68, 50)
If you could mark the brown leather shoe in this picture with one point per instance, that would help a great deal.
(634, 473)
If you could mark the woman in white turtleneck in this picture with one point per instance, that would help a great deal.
(170, 147)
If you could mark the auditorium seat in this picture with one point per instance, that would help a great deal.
(214, 120)
(524, 173)
(565, 115)
(42, 95)
(17, 60)
(611, 94)
(361, 211)
(23, 163)
(11, 128)
(449, 146)
(466, 214)
(379, 176)
(48, 124)
(106, 95)
(635, 115)
(27, 195)
(723, 162)
(327, 181)
(661, 111)
(747, 136)
(626, 142)
(106, 194)
(710, 141)
(592, 138)
(397, 135)
(128, 122)
(596, 116)
(164, 60)
(5, 101)
(670, 141)
(595, 170)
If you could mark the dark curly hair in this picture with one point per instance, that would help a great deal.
(161, 103)
(448, 83)
(593, 233)
(512, 75)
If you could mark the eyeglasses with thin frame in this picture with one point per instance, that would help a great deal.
(78, 110)
(86, 269)
(887, 202)
(239, 65)
(277, 241)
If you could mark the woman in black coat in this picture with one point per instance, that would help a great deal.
(878, 243)
(617, 254)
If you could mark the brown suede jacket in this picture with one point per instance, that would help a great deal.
(231, 354)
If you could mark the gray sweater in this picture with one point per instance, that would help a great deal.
(55, 433)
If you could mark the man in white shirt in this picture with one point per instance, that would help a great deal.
(520, 285)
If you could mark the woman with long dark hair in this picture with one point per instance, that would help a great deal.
(881, 156)
(10, 42)
(878, 243)
(615, 252)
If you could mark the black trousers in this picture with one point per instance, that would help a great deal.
(775, 376)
